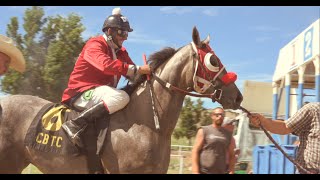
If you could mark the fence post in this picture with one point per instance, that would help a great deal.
(180, 155)
(181, 165)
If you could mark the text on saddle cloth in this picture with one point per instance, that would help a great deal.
(45, 133)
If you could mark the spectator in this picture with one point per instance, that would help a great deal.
(211, 144)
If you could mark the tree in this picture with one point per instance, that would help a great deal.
(206, 118)
(186, 125)
(62, 53)
(202, 114)
(190, 117)
(50, 46)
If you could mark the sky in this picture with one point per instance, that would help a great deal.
(247, 39)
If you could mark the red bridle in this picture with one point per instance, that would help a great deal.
(202, 78)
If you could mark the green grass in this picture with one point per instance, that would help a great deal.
(241, 172)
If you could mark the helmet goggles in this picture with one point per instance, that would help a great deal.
(122, 33)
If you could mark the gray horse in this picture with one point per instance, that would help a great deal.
(133, 144)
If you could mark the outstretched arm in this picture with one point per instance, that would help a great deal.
(274, 126)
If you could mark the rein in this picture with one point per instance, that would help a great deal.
(278, 146)
(174, 88)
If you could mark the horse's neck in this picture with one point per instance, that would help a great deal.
(168, 102)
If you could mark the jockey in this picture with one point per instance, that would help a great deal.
(98, 69)
(10, 56)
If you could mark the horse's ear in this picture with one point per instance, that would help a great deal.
(207, 40)
(196, 37)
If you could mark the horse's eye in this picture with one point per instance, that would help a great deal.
(211, 62)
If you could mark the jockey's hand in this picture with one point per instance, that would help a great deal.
(145, 69)
(256, 119)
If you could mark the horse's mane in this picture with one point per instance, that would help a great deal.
(155, 60)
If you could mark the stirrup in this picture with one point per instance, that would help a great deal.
(74, 137)
(76, 140)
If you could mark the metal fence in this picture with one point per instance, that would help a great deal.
(180, 159)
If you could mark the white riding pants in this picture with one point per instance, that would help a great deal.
(113, 98)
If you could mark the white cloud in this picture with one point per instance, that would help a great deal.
(47, 9)
(148, 41)
(238, 66)
(137, 36)
(265, 28)
(210, 12)
(143, 38)
(176, 10)
(263, 39)
(290, 35)
(184, 10)
(241, 65)
(51, 8)
(20, 9)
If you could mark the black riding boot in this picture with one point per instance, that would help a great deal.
(76, 126)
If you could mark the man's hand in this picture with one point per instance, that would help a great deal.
(145, 69)
(256, 119)
(274, 126)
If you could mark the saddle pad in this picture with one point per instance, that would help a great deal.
(45, 133)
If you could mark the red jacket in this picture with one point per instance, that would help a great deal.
(96, 67)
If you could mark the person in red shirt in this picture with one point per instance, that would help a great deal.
(97, 71)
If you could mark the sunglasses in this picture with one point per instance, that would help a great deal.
(219, 114)
(122, 33)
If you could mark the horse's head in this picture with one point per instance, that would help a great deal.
(211, 76)
(194, 67)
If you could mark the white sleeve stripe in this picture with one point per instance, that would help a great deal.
(130, 71)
